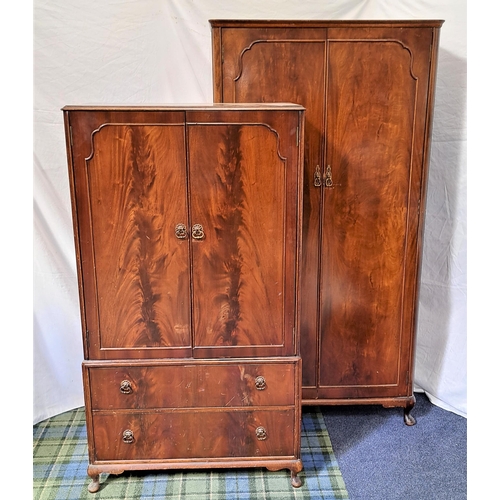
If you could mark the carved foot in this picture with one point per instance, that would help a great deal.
(296, 481)
(409, 419)
(94, 485)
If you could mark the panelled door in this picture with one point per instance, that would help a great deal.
(136, 181)
(190, 246)
(242, 193)
(370, 201)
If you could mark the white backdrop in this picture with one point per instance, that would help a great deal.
(159, 51)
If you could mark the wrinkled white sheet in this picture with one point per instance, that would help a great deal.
(159, 51)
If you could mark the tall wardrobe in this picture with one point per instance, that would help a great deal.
(368, 89)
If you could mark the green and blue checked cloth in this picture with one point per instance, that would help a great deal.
(60, 462)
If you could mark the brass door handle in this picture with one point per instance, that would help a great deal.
(317, 177)
(328, 178)
(197, 232)
(181, 231)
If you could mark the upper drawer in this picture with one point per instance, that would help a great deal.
(176, 385)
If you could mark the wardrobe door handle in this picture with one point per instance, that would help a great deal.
(328, 178)
(197, 232)
(317, 177)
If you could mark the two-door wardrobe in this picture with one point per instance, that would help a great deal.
(368, 89)
(187, 224)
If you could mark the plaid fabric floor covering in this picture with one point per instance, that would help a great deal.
(60, 470)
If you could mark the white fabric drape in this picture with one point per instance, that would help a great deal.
(159, 52)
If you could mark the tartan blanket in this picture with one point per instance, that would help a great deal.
(60, 460)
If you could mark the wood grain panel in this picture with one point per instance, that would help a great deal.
(237, 193)
(287, 65)
(137, 196)
(371, 99)
(193, 434)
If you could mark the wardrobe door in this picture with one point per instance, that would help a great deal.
(287, 65)
(371, 203)
(136, 175)
(243, 288)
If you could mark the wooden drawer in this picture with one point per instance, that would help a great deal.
(197, 384)
(189, 434)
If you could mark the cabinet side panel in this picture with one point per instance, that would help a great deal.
(137, 196)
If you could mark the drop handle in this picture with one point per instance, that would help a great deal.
(317, 177)
(197, 232)
(261, 433)
(260, 383)
(328, 177)
(128, 436)
(125, 387)
(181, 231)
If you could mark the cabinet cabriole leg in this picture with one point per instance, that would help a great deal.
(94, 485)
(409, 419)
(296, 481)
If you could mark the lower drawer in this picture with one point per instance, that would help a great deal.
(181, 434)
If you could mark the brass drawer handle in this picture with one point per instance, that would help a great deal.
(125, 387)
(181, 231)
(260, 383)
(261, 433)
(128, 436)
(197, 232)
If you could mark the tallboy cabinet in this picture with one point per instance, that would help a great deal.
(368, 89)
(187, 224)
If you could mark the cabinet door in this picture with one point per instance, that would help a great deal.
(368, 270)
(243, 194)
(136, 181)
(287, 65)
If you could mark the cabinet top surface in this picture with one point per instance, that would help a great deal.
(187, 107)
(323, 23)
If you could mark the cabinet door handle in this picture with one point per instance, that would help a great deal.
(181, 231)
(317, 177)
(197, 232)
